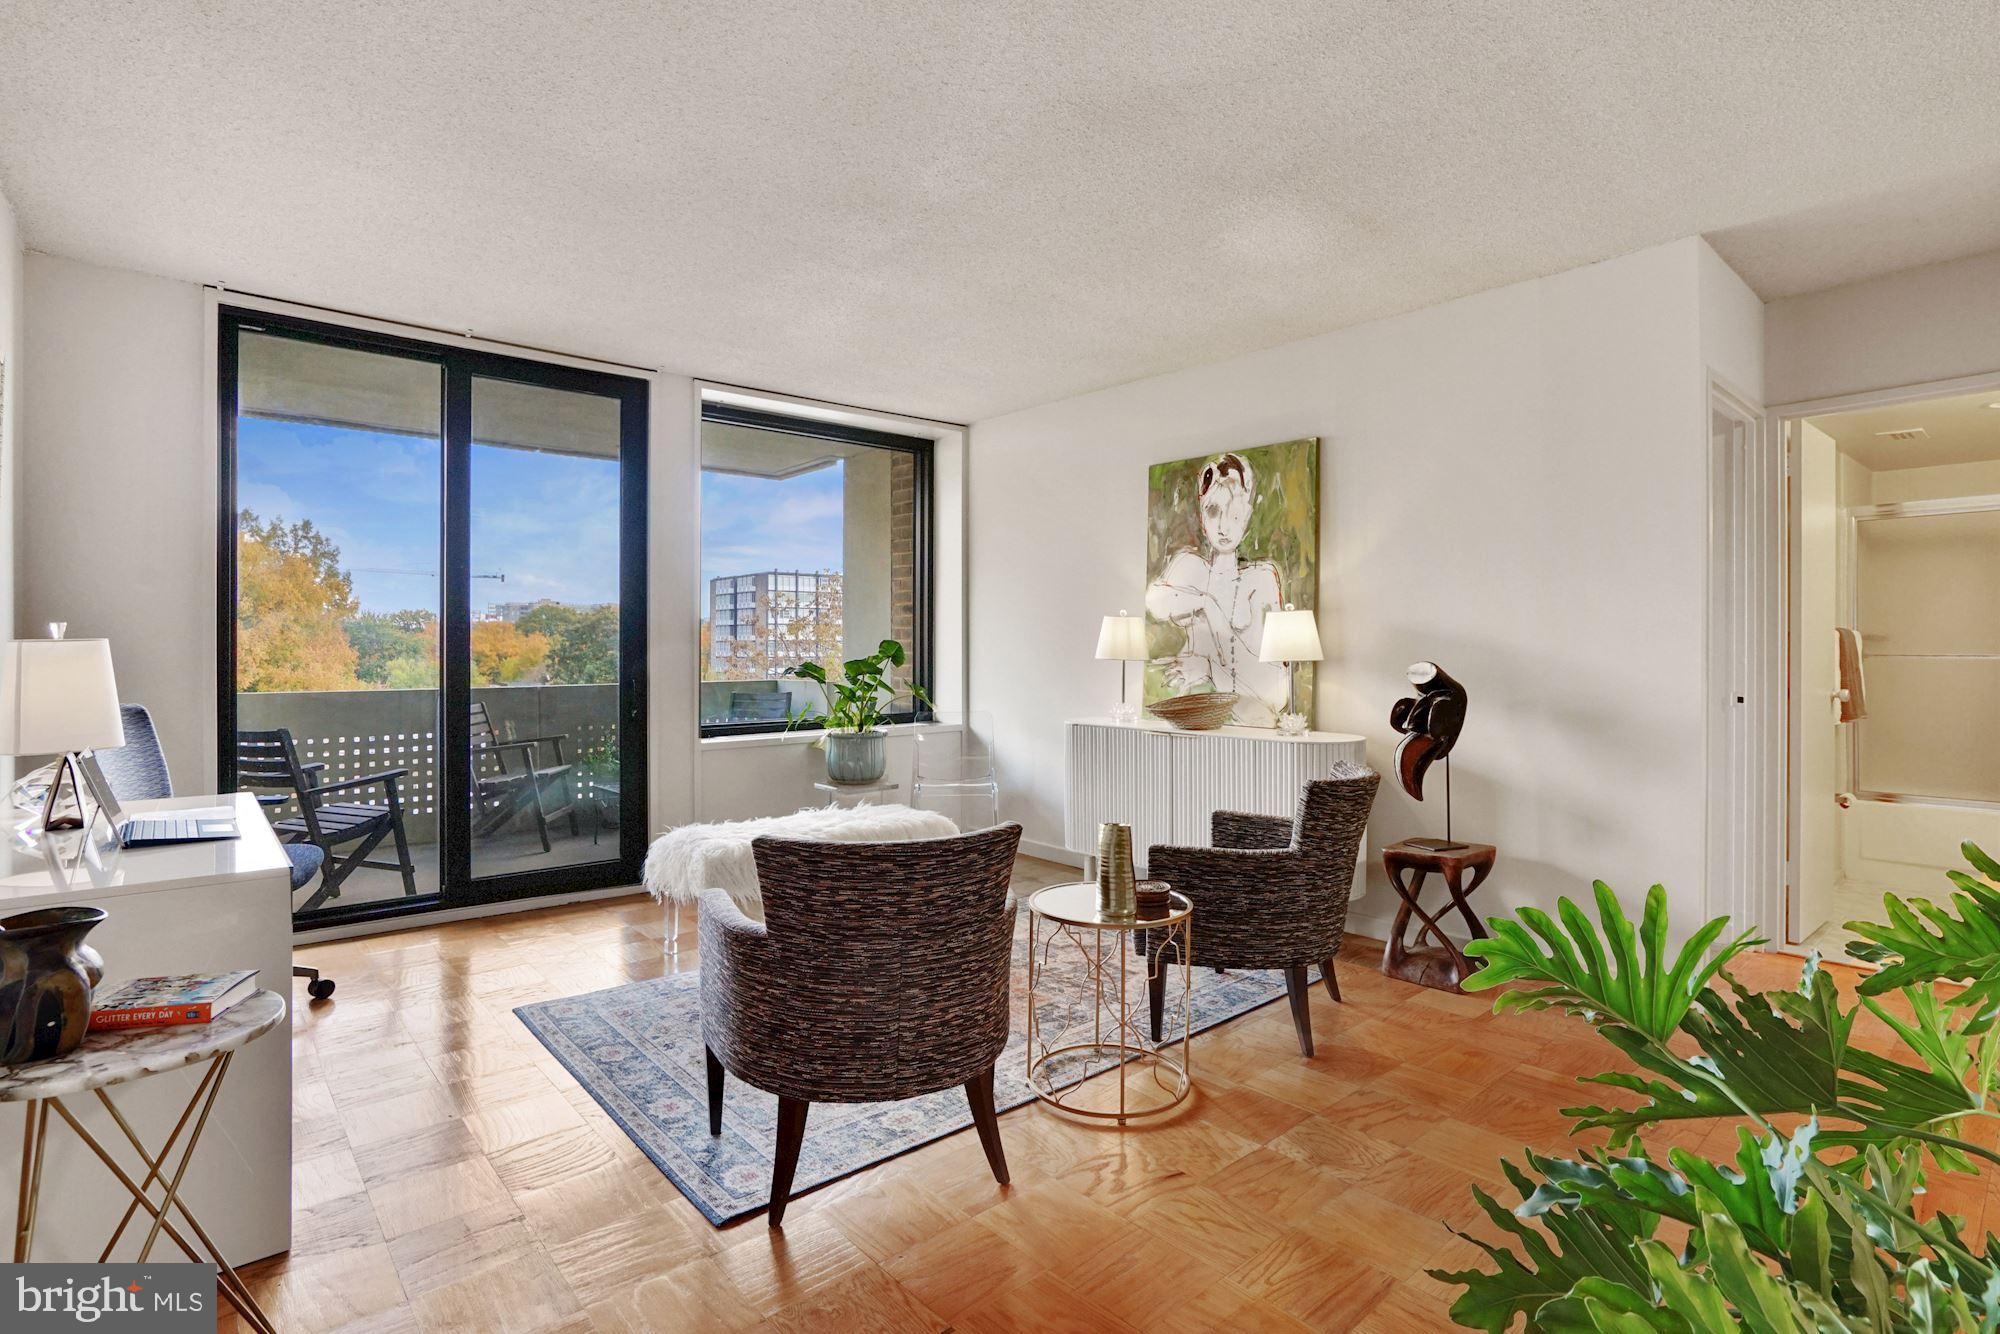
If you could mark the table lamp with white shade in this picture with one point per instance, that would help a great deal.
(1291, 636)
(1122, 639)
(58, 696)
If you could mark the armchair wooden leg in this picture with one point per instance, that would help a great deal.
(979, 1094)
(714, 1092)
(791, 1134)
(1326, 975)
(1300, 990)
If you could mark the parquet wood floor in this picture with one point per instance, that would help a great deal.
(450, 1175)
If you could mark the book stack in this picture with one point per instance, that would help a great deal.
(161, 1002)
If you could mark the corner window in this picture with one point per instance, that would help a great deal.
(815, 547)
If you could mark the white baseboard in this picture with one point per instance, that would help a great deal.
(1051, 852)
(415, 921)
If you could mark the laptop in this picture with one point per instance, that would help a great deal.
(203, 824)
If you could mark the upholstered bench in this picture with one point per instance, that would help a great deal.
(685, 861)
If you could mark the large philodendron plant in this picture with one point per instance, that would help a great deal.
(1814, 1224)
(857, 700)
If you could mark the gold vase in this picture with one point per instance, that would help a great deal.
(1116, 885)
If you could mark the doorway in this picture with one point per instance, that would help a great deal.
(1895, 664)
(432, 615)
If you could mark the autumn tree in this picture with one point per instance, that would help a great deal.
(503, 655)
(292, 602)
(395, 649)
(788, 628)
(583, 641)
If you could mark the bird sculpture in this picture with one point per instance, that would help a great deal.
(1430, 724)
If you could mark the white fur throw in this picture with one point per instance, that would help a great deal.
(683, 862)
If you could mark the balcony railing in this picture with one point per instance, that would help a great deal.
(356, 732)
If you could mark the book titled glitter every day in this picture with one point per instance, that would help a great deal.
(157, 1002)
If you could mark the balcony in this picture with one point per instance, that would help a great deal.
(357, 732)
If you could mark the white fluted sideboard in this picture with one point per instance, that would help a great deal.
(1165, 783)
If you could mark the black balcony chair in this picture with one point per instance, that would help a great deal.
(268, 763)
(509, 778)
(137, 771)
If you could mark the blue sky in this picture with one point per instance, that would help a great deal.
(762, 523)
(549, 522)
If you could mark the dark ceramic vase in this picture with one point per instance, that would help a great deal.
(46, 977)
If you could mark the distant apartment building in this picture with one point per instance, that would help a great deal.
(512, 612)
(760, 624)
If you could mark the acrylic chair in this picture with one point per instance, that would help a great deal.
(954, 773)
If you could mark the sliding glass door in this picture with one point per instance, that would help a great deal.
(339, 503)
(432, 615)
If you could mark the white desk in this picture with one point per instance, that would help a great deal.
(188, 908)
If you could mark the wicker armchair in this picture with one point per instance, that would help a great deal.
(881, 972)
(1272, 892)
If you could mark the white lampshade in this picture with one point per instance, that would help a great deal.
(1289, 636)
(56, 696)
(1122, 638)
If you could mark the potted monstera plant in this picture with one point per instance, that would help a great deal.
(1819, 1220)
(856, 701)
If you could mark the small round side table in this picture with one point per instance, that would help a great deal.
(1062, 917)
(108, 1059)
(1442, 968)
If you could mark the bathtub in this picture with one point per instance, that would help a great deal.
(1906, 844)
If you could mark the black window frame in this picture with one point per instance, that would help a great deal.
(922, 450)
(459, 367)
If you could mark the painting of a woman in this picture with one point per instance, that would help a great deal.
(1214, 570)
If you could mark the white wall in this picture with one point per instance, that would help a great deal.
(118, 489)
(13, 368)
(1732, 327)
(1932, 323)
(1514, 484)
(1944, 481)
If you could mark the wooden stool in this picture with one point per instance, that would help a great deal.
(1443, 967)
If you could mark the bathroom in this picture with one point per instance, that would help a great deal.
(1895, 655)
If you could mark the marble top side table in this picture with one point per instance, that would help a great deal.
(106, 1060)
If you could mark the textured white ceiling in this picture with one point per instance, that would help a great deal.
(961, 208)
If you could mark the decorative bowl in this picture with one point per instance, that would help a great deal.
(1196, 713)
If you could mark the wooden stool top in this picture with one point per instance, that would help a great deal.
(1448, 861)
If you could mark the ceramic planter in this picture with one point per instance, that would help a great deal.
(856, 757)
(46, 977)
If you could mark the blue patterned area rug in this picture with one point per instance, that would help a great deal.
(637, 1049)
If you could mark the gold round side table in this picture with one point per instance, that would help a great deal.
(1106, 1030)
